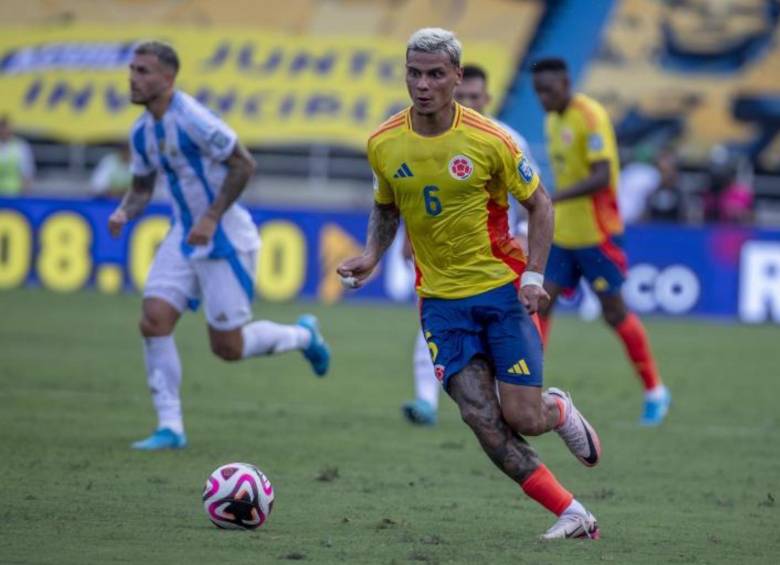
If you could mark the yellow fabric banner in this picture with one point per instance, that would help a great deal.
(70, 82)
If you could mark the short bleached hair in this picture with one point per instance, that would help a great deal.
(436, 40)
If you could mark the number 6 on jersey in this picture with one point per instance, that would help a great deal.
(432, 204)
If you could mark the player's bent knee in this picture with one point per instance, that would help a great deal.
(479, 422)
(525, 423)
(150, 326)
(158, 318)
(227, 349)
(614, 317)
(471, 416)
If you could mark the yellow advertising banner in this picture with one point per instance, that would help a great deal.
(70, 82)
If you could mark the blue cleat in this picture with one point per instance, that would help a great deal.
(656, 408)
(419, 412)
(164, 438)
(318, 352)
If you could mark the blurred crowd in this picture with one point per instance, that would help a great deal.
(653, 186)
(17, 164)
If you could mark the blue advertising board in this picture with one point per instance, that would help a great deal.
(64, 246)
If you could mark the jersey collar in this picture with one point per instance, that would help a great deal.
(455, 122)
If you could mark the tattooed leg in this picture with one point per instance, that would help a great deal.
(474, 391)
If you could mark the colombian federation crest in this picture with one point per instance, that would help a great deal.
(460, 167)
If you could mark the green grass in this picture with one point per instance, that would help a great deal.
(701, 489)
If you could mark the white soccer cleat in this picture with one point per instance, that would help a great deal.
(575, 431)
(574, 526)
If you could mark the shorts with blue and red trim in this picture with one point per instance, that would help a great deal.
(603, 266)
(493, 325)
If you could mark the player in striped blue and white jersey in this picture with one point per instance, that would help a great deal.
(210, 252)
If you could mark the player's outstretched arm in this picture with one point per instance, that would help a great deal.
(240, 168)
(382, 226)
(133, 203)
(540, 232)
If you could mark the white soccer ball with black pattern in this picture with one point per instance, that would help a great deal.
(238, 496)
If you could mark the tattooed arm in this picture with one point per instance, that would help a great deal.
(133, 203)
(241, 167)
(382, 226)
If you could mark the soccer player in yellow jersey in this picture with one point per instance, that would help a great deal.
(587, 243)
(472, 92)
(447, 171)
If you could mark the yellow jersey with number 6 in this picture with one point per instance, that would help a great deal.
(452, 192)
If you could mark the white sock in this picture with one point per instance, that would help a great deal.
(267, 338)
(655, 393)
(163, 373)
(575, 508)
(426, 387)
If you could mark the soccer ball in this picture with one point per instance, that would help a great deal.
(238, 496)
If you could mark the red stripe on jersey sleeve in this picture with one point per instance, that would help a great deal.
(502, 244)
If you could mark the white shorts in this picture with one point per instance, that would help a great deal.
(225, 285)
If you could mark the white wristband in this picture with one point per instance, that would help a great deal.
(531, 278)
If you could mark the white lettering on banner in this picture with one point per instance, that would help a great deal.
(759, 282)
(677, 289)
(674, 289)
(639, 286)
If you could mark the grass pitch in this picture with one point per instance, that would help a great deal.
(354, 482)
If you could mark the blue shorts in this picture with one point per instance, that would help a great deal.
(604, 266)
(493, 325)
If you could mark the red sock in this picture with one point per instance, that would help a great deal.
(632, 332)
(545, 489)
(543, 326)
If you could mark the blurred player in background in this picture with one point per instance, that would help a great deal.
(588, 227)
(112, 177)
(472, 93)
(475, 305)
(210, 251)
(17, 164)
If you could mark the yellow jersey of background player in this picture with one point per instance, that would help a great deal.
(588, 229)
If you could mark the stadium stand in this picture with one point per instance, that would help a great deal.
(693, 73)
(64, 166)
(699, 74)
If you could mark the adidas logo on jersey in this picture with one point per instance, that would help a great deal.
(519, 368)
(403, 172)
